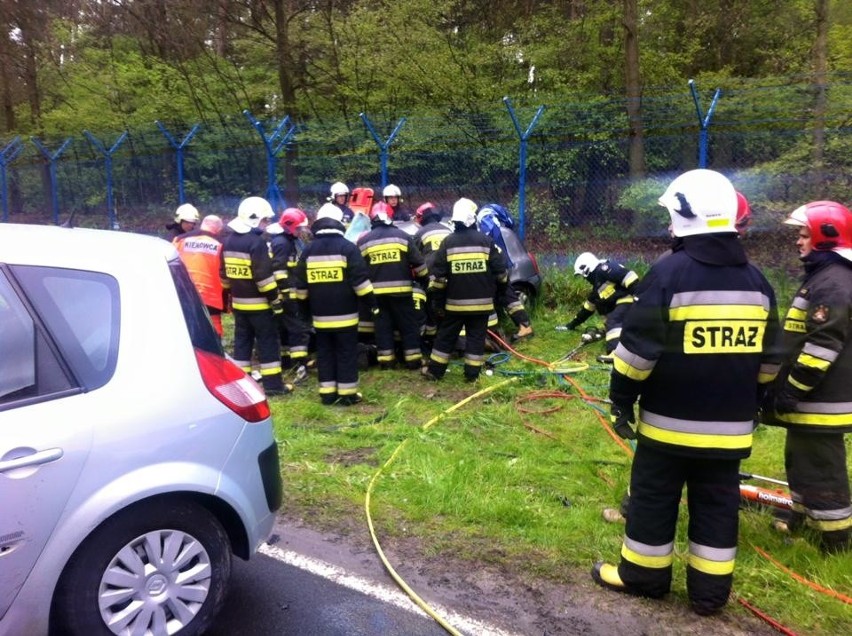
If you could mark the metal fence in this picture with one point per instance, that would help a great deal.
(575, 169)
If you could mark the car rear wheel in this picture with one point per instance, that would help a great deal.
(158, 568)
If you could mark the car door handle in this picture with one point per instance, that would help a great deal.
(33, 459)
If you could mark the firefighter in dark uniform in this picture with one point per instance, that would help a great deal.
(428, 239)
(695, 349)
(812, 397)
(186, 218)
(468, 272)
(247, 272)
(392, 258)
(331, 276)
(284, 244)
(611, 295)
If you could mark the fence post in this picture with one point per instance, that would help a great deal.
(51, 162)
(178, 147)
(113, 222)
(7, 156)
(522, 163)
(703, 122)
(382, 144)
(273, 192)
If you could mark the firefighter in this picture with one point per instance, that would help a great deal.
(695, 349)
(428, 239)
(611, 296)
(339, 196)
(330, 277)
(246, 270)
(811, 397)
(186, 218)
(285, 245)
(469, 271)
(201, 253)
(392, 258)
(392, 195)
(490, 219)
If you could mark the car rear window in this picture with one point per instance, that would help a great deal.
(201, 330)
(81, 311)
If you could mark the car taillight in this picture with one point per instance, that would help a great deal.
(232, 387)
(534, 262)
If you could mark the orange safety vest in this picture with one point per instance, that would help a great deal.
(200, 254)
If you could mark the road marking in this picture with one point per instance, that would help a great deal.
(384, 593)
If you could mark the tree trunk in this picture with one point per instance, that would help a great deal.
(634, 89)
(820, 60)
(288, 94)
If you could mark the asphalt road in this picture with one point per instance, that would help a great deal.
(268, 597)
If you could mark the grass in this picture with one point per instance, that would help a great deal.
(481, 484)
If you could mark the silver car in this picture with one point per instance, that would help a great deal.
(135, 459)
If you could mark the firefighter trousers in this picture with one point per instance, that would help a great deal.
(713, 497)
(819, 485)
(337, 363)
(396, 313)
(261, 328)
(295, 332)
(476, 329)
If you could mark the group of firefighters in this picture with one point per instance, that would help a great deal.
(697, 344)
(295, 287)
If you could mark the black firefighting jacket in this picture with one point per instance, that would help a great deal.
(430, 236)
(392, 258)
(816, 374)
(612, 284)
(285, 254)
(468, 269)
(696, 346)
(247, 271)
(331, 275)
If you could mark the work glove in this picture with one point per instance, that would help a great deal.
(621, 418)
(571, 326)
(277, 306)
(784, 402)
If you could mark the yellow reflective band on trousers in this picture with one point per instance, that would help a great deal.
(695, 433)
(652, 561)
(715, 561)
(824, 525)
(826, 420)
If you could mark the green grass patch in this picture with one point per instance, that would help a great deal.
(517, 482)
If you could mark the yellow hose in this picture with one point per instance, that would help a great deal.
(411, 593)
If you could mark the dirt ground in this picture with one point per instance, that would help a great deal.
(497, 594)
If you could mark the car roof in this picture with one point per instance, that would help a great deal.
(97, 250)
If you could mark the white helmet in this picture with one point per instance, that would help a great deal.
(339, 188)
(253, 209)
(274, 228)
(464, 212)
(586, 264)
(187, 212)
(392, 191)
(330, 211)
(701, 202)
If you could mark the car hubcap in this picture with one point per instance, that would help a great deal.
(156, 584)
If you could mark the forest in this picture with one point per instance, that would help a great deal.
(609, 79)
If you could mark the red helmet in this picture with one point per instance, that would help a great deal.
(829, 223)
(423, 209)
(292, 219)
(382, 211)
(743, 212)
